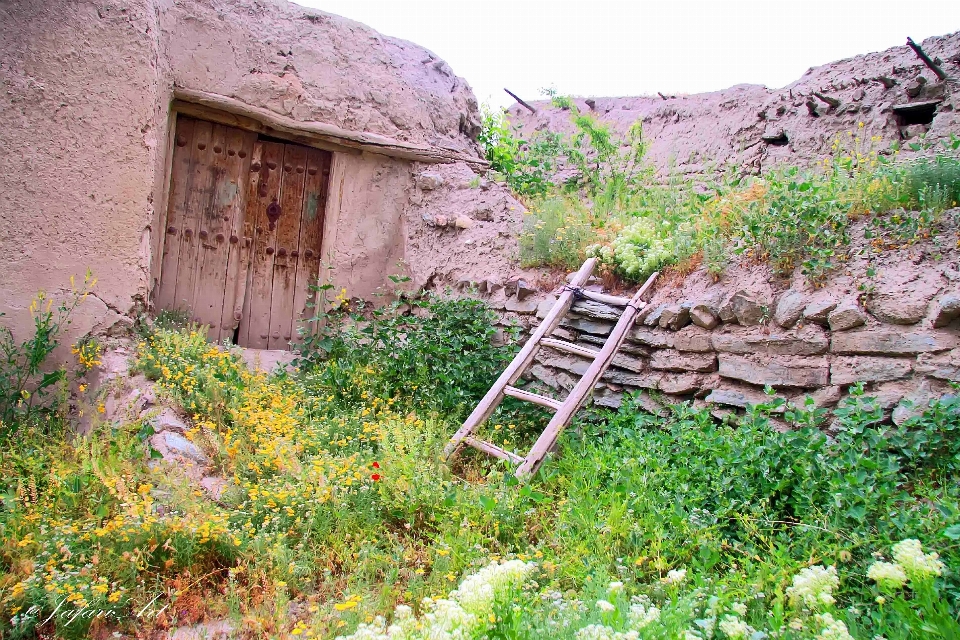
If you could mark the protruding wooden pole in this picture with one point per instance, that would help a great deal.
(517, 98)
(926, 59)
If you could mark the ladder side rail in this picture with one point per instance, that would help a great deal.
(520, 363)
(583, 388)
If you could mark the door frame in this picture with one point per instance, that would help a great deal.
(202, 112)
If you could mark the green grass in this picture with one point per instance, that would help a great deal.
(341, 509)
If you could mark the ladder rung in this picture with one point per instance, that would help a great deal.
(543, 401)
(569, 347)
(615, 301)
(493, 450)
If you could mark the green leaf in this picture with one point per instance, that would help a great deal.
(154, 454)
(487, 503)
(952, 532)
(51, 378)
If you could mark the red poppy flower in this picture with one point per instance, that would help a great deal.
(376, 465)
(375, 477)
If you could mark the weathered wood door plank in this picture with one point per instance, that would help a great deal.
(288, 239)
(181, 175)
(198, 198)
(311, 239)
(255, 323)
(242, 146)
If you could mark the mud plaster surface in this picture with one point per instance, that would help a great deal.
(700, 132)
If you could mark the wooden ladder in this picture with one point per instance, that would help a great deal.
(564, 409)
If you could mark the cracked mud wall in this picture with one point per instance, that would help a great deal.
(81, 128)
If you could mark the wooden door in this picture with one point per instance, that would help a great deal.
(201, 256)
(284, 218)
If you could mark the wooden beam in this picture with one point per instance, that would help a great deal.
(493, 450)
(327, 133)
(569, 347)
(926, 59)
(517, 98)
(535, 398)
(615, 301)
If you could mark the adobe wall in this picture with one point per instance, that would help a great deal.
(753, 127)
(85, 115)
(82, 121)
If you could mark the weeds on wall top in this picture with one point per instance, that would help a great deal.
(591, 193)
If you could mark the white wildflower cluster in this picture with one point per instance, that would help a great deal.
(832, 629)
(602, 632)
(605, 606)
(888, 575)
(917, 564)
(638, 249)
(911, 564)
(813, 587)
(642, 612)
(735, 628)
(478, 591)
(458, 617)
(675, 576)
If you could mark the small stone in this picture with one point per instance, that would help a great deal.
(545, 306)
(168, 420)
(747, 308)
(596, 327)
(726, 311)
(915, 86)
(789, 308)
(818, 311)
(943, 366)
(596, 310)
(741, 397)
(652, 338)
(946, 310)
(913, 404)
(680, 384)
(483, 213)
(846, 316)
(808, 341)
(782, 371)
(693, 338)
(171, 444)
(428, 181)
(826, 397)
(525, 307)
(703, 316)
(850, 369)
(463, 222)
(653, 319)
(888, 341)
(441, 220)
(674, 317)
(672, 360)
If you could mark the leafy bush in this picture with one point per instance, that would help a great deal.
(441, 349)
(24, 386)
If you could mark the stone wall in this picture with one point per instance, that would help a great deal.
(890, 321)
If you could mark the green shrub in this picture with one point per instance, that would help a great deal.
(25, 389)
